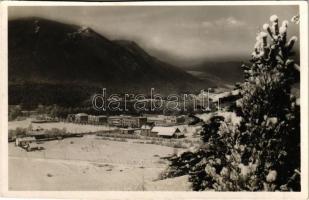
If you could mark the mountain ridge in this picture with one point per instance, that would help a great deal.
(47, 52)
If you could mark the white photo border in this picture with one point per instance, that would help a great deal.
(303, 10)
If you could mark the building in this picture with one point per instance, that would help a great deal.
(165, 120)
(126, 121)
(181, 119)
(97, 120)
(167, 132)
(158, 120)
(28, 143)
(91, 119)
(45, 118)
(170, 120)
(133, 122)
(146, 131)
(71, 118)
(101, 119)
(127, 131)
(24, 141)
(225, 99)
(115, 121)
(81, 118)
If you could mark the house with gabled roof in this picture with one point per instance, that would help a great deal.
(167, 132)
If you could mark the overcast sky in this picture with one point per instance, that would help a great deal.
(178, 34)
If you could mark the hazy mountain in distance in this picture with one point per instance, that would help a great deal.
(52, 62)
(224, 72)
(227, 73)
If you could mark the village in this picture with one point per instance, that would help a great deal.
(132, 150)
(155, 126)
(119, 144)
(123, 126)
(125, 146)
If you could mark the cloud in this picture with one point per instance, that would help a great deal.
(231, 21)
(207, 24)
(224, 22)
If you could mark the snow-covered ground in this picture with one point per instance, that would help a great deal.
(91, 164)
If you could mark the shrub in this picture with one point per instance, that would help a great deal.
(18, 132)
(55, 132)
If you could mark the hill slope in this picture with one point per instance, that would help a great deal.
(49, 62)
(224, 72)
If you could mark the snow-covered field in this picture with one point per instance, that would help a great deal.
(89, 163)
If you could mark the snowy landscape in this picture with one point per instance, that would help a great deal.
(207, 99)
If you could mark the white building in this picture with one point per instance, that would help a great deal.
(167, 132)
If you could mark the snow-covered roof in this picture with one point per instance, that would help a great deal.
(81, 114)
(165, 131)
(146, 126)
(159, 117)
